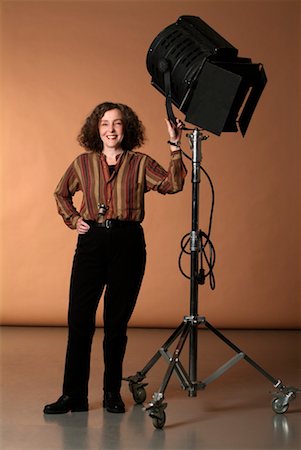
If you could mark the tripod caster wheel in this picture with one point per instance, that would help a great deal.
(139, 394)
(159, 420)
(279, 406)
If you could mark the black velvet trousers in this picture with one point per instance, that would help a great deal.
(114, 260)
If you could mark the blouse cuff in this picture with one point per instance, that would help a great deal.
(73, 221)
(176, 154)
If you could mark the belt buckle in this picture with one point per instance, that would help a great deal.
(108, 224)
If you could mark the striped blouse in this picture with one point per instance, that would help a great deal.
(122, 191)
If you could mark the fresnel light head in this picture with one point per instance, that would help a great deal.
(198, 71)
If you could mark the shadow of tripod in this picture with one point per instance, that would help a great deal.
(189, 327)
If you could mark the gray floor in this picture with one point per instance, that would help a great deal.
(234, 412)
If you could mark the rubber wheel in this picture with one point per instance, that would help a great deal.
(139, 394)
(159, 422)
(278, 406)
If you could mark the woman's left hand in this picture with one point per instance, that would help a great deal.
(174, 131)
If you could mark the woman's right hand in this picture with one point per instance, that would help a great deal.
(81, 226)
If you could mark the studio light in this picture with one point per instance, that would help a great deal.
(200, 73)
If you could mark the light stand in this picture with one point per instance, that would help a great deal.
(189, 327)
(196, 138)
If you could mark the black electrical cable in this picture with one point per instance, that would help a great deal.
(206, 246)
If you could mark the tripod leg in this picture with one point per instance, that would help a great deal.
(135, 386)
(175, 358)
(156, 409)
(284, 394)
(246, 357)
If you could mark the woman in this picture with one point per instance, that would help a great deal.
(110, 252)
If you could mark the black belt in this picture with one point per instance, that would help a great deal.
(112, 223)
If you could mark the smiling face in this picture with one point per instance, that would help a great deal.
(111, 129)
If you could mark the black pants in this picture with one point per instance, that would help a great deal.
(113, 259)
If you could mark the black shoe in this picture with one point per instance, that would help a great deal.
(113, 402)
(65, 404)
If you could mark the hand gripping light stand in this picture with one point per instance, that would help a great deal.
(189, 326)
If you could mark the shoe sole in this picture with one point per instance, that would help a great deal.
(65, 411)
(115, 411)
(112, 410)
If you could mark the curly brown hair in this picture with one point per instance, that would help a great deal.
(134, 134)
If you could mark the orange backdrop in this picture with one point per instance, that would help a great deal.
(61, 58)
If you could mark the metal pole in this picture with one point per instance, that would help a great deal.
(195, 142)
